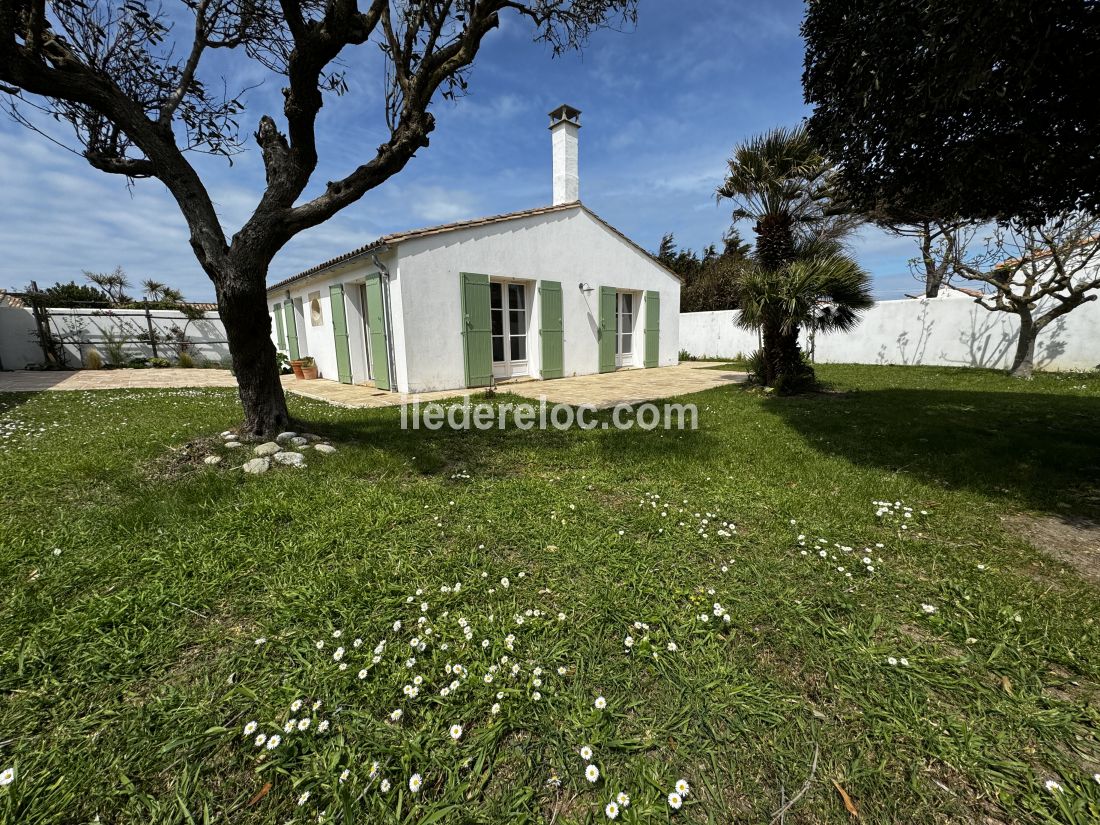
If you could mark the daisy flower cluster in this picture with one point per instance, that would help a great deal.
(703, 524)
(621, 800)
(897, 513)
(842, 559)
(642, 641)
(447, 660)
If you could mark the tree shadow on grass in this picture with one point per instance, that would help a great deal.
(505, 451)
(1041, 449)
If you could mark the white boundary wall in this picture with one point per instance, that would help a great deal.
(951, 332)
(83, 330)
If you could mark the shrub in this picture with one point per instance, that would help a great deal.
(138, 363)
(159, 363)
(185, 361)
(93, 360)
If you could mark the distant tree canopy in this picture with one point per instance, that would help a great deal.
(979, 110)
(72, 294)
(708, 278)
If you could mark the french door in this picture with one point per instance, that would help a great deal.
(624, 329)
(508, 310)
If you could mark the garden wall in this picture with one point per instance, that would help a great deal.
(83, 330)
(953, 332)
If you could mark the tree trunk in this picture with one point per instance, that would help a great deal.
(1023, 364)
(242, 302)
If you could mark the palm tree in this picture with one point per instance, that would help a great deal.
(784, 184)
(822, 291)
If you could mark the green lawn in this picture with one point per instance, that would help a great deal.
(134, 598)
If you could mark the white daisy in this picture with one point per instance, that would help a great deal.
(622, 799)
(259, 740)
(415, 781)
(7, 777)
(928, 608)
(612, 810)
(682, 787)
(374, 768)
(344, 774)
(396, 715)
(303, 724)
(250, 728)
(274, 741)
(591, 773)
(323, 727)
(384, 786)
(456, 732)
(586, 753)
(1052, 786)
(296, 705)
(675, 801)
(600, 703)
(303, 799)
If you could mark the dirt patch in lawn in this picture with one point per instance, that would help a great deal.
(1071, 540)
(185, 459)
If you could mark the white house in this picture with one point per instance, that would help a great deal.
(543, 293)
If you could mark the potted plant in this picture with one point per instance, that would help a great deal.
(309, 368)
(296, 366)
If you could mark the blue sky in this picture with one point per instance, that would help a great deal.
(663, 106)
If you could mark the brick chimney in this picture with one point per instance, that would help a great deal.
(565, 123)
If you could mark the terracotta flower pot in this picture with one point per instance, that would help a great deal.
(309, 373)
(296, 365)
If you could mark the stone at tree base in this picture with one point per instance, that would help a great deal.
(229, 434)
(311, 437)
(213, 459)
(326, 449)
(256, 466)
(298, 441)
(233, 444)
(284, 437)
(267, 448)
(290, 459)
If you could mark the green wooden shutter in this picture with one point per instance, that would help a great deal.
(551, 329)
(279, 333)
(607, 329)
(477, 345)
(291, 331)
(652, 328)
(340, 332)
(376, 320)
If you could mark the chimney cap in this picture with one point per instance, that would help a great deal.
(565, 114)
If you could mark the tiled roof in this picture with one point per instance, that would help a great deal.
(7, 299)
(399, 237)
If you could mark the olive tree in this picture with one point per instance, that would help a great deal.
(1038, 273)
(136, 86)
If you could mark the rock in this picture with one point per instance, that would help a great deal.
(229, 434)
(311, 437)
(267, 448)
(213, 459)
(256, 466)
(233, 444)
(298, 441)
(284, 437)
(290, 459)
(327, 449)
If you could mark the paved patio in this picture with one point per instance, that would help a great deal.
(40, 380)
(631, 386)
(605, 390)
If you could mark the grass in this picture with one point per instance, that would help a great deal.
(134, 598)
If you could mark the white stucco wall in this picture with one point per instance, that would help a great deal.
(956, 333)
(569, 246)
(83, 331)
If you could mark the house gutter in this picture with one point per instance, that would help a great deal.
(390, 352)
